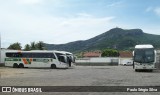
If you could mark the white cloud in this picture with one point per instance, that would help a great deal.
(24, 27)
(157, 11)
(25, 21)
(30, 2)
(115, 4)
(149, 9)
(84, 15)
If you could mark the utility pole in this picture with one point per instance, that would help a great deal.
(158, 60)
(0, 48)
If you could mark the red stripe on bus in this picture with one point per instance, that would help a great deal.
(25, 60)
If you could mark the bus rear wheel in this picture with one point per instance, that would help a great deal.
(15, 65)
(53, 66)
(136, 70)
(21, 65)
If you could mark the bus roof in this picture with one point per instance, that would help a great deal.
(66, 52)
(35, 51)
(143, 46)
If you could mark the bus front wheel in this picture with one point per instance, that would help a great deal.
(133, 64)
(21, 65)
(15, 65)
(136, 70)
(53, 66)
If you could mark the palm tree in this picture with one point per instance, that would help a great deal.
(40, 45)
(27, 47)
(33, 46)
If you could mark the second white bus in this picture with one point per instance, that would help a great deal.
(144, 57)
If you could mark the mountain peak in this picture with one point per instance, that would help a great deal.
(120, 31)
(118, 38)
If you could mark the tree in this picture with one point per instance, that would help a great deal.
(33, 46)
(40, 45)
(110, 53)
(15, 46)
(27, 47)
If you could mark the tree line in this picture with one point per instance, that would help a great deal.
(40, 46)
(32, 46)
(110, 53)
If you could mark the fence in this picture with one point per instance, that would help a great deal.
(158, 62)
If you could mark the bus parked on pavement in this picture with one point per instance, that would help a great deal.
(36, 58)
(144, 58)
(70, 56)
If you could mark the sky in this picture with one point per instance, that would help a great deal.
(63, 21)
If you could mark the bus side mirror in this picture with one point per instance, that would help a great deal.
(133, 53)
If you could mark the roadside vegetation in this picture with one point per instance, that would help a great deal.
(32, 46)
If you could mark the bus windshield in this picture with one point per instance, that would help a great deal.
(144, 55)
(61, 57)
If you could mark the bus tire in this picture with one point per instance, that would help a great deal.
(15, 65)
(133, 64)
(53, 66)
(21, 65)
(136, 70)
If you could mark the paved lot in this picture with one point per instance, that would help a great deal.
(79, 76)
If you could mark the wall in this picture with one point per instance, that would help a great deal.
(98, 61)
(2, 55)
(158, 59)
(125, 60)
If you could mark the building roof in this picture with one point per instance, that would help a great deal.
(92, 54)
(125, 54)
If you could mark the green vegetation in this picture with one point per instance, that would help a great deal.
(34, 46)
(116, 38)
(27, 47)
(110, 53)
(15, 46)
(40, 45)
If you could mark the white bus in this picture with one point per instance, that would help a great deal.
(36, 58)
(144, 57)
(70, 56)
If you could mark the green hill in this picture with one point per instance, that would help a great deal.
(117, 38)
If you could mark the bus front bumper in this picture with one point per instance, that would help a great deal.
(63, 65)
(145, 67)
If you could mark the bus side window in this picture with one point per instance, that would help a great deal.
(13, 54)
(53, 56)
(61, 59)
(8, 55)
(19, 54)
(57, 54)
(47, 55)
(25, 55)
